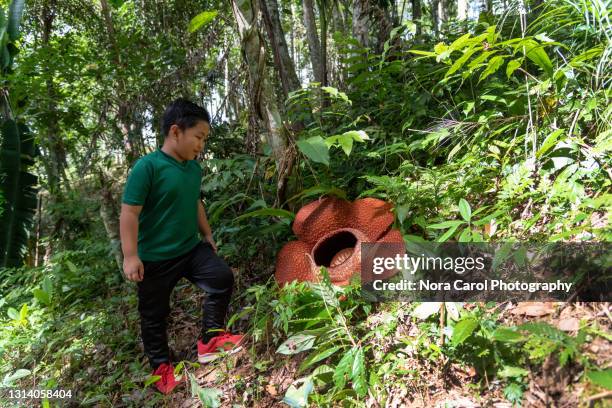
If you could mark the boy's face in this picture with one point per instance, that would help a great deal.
(191, 141)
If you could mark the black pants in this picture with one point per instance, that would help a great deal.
(202, 267)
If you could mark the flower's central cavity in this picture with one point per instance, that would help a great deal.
(326, 250)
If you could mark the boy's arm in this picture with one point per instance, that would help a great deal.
(203, 225)
(128, 227)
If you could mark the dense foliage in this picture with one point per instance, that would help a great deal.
(490, 129)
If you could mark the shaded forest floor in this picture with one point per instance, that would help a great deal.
(93, 348)
(258, 376)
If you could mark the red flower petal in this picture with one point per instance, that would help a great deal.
(371, 216)
(292, 263)
(321, 217)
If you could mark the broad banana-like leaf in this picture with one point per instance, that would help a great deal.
(18, 190)
(14, 18)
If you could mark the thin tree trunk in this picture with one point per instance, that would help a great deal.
(361, 22)
(323, 16)
(263, 99)
(416, 17)
(435, 18)
(462, 10)
(56, 165)
(314, 45)
(442, 11)
(130, 138)
(109, 213)
(384, 21)
(284, 64)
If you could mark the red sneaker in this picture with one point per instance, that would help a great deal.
(224, 341)
(167, 382)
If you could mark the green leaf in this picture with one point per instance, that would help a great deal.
(343, 368)
(210, 397)
(602, 378)
(296, 344)
(460, 62)
(425, 53)
(465, 210)
(512, 66)
(315, 149)
(12, 313)
(298, 397)
(535, 52)
(201, 20)
(42, 296)
(358, 376)
(357, 135)
(549, 142)
(507, 335)
(267, 212)
(72, 267)
(445, 224)
(14, 18)
(336, 94)
(501, 255)
(18, 189)
(23, 313)
(460, 42)
(347, 145)
(512, 372)
(492, 67)
(46, 285)
(463, 330)
(152, 379)
(316, 357)
(447, 234)
(20, 373)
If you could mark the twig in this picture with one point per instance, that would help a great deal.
(601, 395)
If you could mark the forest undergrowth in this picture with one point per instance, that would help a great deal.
(499, 132)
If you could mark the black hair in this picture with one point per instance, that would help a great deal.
(183, 113)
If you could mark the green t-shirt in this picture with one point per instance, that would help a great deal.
(169, 192)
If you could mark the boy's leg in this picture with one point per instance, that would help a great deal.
(211, 273)
(154, 306)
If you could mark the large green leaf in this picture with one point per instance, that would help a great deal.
(315, 149)
(17, 186)
(535, 52)
(268, 212)
(463, 330)
(14, 18)
(296, 344)
(201, 20)
(602, 378)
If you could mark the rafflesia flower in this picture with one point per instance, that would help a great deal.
(330, 232)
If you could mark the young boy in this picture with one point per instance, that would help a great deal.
(160, 218)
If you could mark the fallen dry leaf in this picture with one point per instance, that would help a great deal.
(271, 390)
(533, 309)
(569, 324)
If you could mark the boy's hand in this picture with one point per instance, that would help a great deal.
(211, 241)
(133, 268)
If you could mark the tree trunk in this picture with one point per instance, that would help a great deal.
(314, 45)
(384, 19)
(132, 140)
(56, 165)
(323, 15)
(416, 17)
(442, 12)
(462, 10)
(283, 62)
(263, 99)
(109, 213)
(435, 18)
(361, 22)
